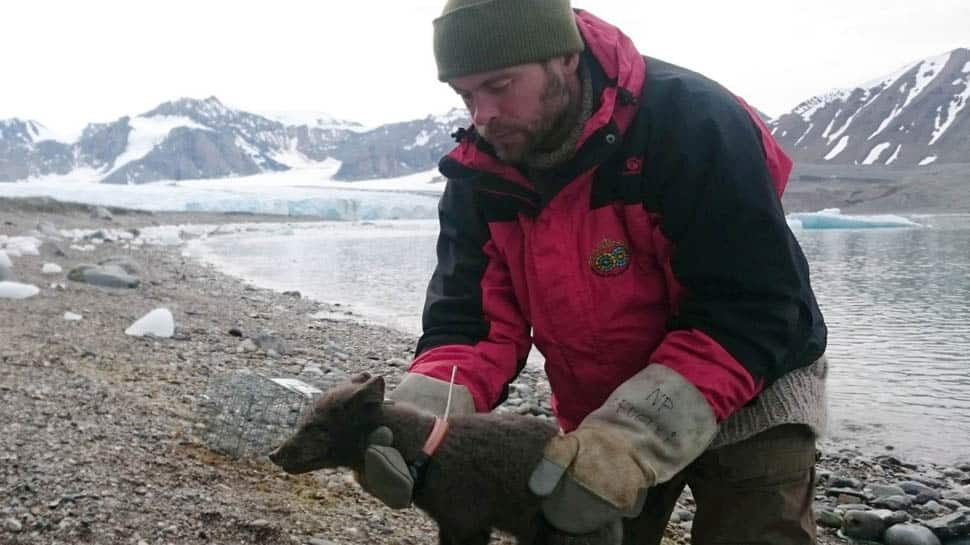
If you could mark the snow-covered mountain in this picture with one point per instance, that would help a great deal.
(313, 120)
(915, 116)
(397, 149)
(27, 147)
(191, 139)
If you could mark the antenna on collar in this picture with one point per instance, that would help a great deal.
(451, 385)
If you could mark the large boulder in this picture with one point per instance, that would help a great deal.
(245, 414)
(108, 276)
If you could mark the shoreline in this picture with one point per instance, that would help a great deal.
(101, 430)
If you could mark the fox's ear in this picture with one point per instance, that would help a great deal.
(360, 378)
(374, 389)
(368, 392)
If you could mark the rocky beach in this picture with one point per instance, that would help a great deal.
(103, 433)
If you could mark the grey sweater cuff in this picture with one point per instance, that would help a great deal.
(796, 398)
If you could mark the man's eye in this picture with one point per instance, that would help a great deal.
(500, 86)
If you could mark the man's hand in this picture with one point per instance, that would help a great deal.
(649, 429)
(386, 475)
(431, 395)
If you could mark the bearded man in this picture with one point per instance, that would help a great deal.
(623, 215)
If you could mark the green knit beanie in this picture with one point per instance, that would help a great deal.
(474, 36)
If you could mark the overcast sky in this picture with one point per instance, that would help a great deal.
(66, 63)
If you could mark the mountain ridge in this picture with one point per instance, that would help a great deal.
(912, 117)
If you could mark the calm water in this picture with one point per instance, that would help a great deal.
(897, 302)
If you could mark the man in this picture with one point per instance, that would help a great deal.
(622, 214)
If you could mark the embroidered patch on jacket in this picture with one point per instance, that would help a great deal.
(610, 257)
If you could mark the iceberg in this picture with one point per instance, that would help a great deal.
(833, 218)
(16, 290)
(158, 323)
(18, 246)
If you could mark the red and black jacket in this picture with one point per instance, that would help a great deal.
(662, 241)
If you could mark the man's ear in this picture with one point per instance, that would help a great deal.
(570, 62)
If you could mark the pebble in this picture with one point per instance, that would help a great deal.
(863, 524)
(894, 503)
(839, 481)
(909, 534)
(828, 519)
(881, 490)
(102, 213)
(952, 525)
(246, 346)
(923, 492)
(12, 525)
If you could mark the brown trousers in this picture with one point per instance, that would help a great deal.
(759, 490)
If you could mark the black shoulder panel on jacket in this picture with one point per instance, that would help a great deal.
(453, 307)
(704, 170)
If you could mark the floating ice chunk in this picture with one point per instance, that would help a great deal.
(51, 268)
(71, 317)
(16, 290)
(163, 235)
(833, 218)
(5, 261)
(158, 323)
(18, 246)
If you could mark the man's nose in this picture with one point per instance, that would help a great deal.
(483, 111)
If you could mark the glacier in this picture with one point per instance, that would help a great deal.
(309, 190)
(298, 192)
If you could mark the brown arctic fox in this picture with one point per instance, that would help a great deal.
(476, 481)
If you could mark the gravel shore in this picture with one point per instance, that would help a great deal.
(99, 437)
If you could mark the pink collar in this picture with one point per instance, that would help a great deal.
(434, 441)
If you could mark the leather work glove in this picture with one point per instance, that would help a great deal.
(386, 475)
(650, 428)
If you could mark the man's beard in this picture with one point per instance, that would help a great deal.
(514, 141)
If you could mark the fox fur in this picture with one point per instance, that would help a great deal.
(475, 482)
